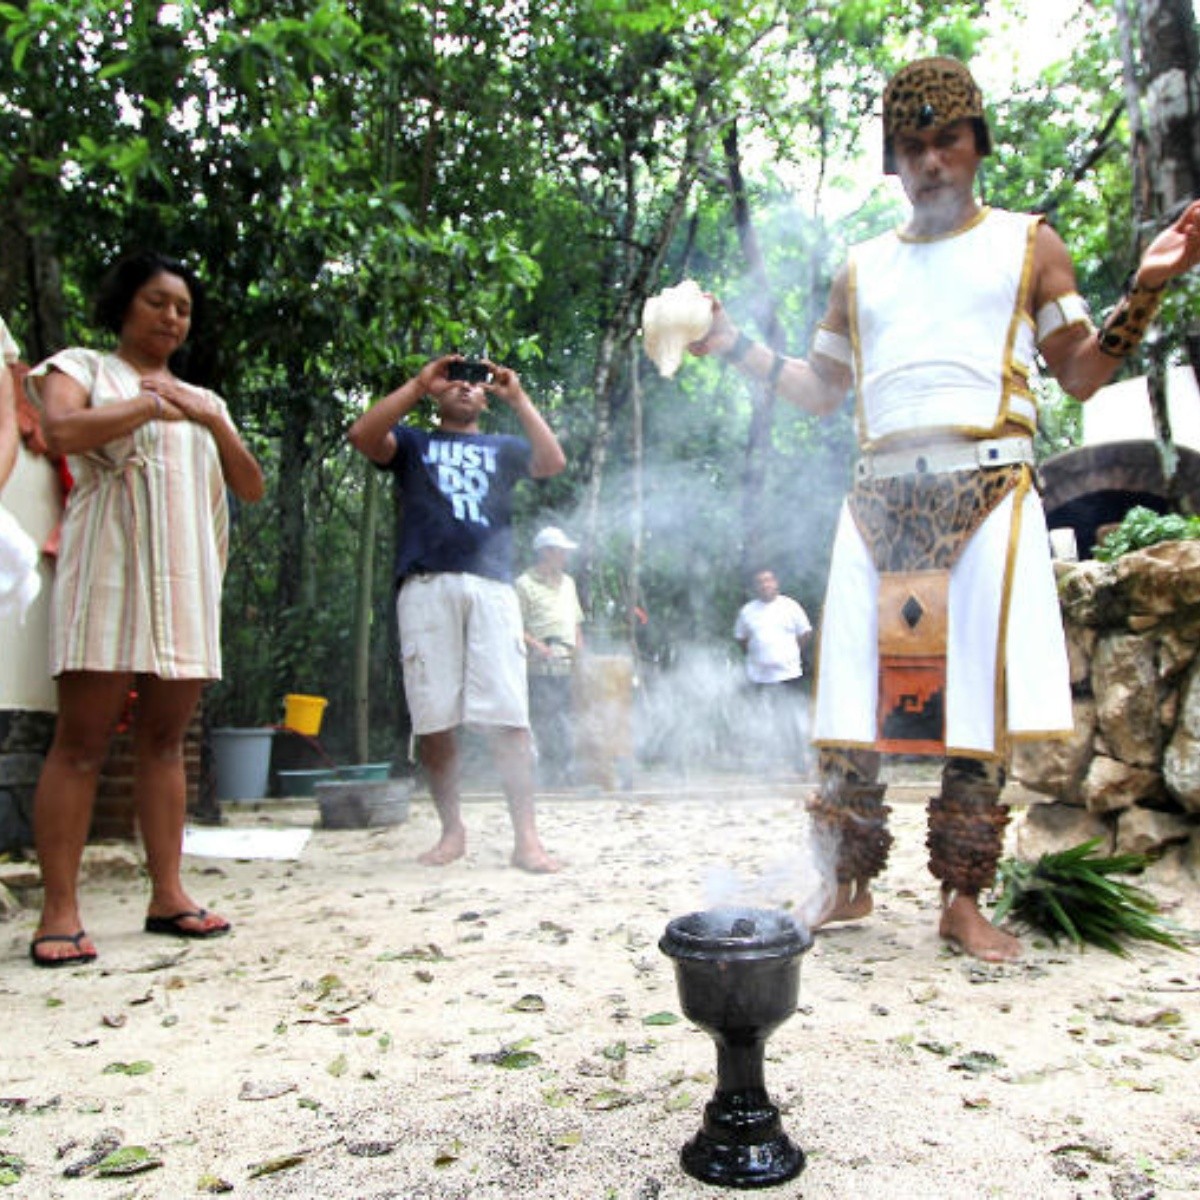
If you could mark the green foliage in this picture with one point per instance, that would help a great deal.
(1142, 527)
(1072, 894)
(364, 184)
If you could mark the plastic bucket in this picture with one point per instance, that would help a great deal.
(303, 714)
(365, 771)
(242, 762)
(302, 783)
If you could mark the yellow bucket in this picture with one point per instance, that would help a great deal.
(303, 713)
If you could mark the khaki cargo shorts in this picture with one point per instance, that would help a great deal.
(462, 652)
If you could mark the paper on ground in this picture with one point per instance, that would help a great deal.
(245, 843)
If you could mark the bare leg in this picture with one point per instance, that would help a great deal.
(851, 902)
(164, 710)
(89, 705)
(967, 929)
(439, 757)
(966, 839)
(514, 761)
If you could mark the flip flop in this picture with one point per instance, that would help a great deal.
(67, 960)
(175, 927)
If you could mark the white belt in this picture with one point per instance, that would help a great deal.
(948, 456)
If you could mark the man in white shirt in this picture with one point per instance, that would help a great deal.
(773, 629)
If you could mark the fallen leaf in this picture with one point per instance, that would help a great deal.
(568, 1140)
(271, 1166)
(12, 1167)
(370, 1149)
(430, 953)
(269, 1090)
(607, 1101)
(337, 1068)
(518, 1060)
(103, 1144)
(213, 1185)
(976, 1062)
(449, 1156)
(128, 1160)
(530, 1003)
(140, 1067)
(661, 1018)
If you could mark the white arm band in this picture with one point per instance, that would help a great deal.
(1070, 309)
(832, 345)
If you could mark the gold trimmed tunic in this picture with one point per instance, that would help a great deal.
(943, 348)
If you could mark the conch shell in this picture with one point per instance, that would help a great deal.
(671, 320)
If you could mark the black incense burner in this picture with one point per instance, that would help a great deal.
(738, 974)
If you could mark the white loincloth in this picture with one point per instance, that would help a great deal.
(985, 707)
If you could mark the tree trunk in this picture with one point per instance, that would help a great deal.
(758, 438)
(364, 582)
(639, 268)
(1171, 55)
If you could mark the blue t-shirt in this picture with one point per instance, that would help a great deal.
(456, 491)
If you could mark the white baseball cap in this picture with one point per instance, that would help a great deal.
(553, 538)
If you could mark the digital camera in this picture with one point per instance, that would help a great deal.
(469, 369)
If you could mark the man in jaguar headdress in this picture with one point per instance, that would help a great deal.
(941, 633)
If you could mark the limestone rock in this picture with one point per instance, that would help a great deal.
(1177, 647)
(20, 876)
(106, 861)
(1055, 767)
(1148, 831)
(10, 906)
(1087, 596)
(1111, 785)
(1081, 645)
(1125, 684)
(1160, 579)
(1181, 762)
(1049, 828)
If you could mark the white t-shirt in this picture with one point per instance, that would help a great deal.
(772, 631)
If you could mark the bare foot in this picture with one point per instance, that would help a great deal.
(536, 862)
(851, 902)
(450, 848)
(968, 930)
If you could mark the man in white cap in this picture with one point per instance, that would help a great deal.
(553, 621)
(941, 633)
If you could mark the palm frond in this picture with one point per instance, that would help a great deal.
(1072, 893)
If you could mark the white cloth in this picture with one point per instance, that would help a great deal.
(19, 579)
(771, 630)
(1007, 665)
(926, 355)
(9, 350)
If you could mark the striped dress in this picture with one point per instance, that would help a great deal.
(144, 543)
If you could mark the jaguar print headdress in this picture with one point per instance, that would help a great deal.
(929, 93)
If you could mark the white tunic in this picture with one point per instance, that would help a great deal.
(943, 345)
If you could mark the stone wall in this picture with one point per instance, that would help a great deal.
(24, 740)
(1130, 773)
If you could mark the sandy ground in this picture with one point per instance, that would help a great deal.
(347, 1039)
